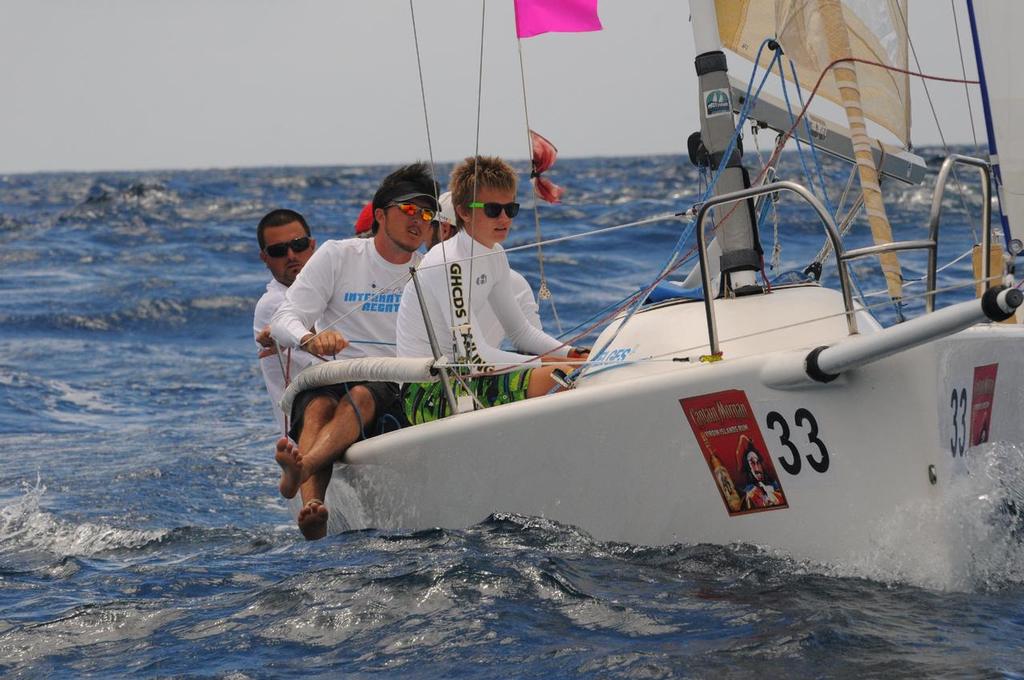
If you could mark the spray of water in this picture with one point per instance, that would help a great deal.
(970, 538)
(25, 526)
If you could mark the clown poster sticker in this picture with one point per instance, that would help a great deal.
(735, 452)
(981, 402)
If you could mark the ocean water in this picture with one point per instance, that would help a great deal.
(141, 533)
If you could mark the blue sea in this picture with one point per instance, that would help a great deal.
(141, 533)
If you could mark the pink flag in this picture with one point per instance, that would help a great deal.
(534, 17)
(544, 155)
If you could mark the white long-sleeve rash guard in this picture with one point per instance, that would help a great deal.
(453, 284)
(271, 365)
(347, 286)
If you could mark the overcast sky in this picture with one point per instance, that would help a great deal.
(140, 84)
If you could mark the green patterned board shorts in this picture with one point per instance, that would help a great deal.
(425, 401)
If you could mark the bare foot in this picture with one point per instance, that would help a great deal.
(313, 519)
(287, 456)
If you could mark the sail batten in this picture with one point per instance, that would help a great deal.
(846, 79)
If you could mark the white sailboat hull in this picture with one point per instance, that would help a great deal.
(618, 458)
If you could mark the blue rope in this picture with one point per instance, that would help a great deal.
(359, 416)
(382, 419)
(810, 137)
(569, 333)
(749, 100)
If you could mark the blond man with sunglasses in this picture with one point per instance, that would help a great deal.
(447, 226)
(351, 289)
(465, 278)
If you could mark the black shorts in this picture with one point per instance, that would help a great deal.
(389, 413)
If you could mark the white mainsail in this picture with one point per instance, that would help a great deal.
(996, 24)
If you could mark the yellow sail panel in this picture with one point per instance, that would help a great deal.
(875, 32)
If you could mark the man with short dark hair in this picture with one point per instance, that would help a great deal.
(352, 289)
(286, 244)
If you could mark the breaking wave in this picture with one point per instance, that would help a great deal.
(979, 540)
(26, 526)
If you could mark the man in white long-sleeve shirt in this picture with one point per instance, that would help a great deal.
(461, 279)
(351, 289)
(286, 244)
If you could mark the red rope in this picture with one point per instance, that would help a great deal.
(789, 133)
(287, 380)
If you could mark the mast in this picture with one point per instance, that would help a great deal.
(737, 228)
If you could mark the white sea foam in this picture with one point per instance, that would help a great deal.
(25, 525)
(970, 540)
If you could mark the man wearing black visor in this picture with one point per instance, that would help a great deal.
(352, 289)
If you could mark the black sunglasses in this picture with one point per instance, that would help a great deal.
(492, 210)
(281, 249)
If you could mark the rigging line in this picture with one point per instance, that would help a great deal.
(476, 175)
(430, 147)
(389, 286)
(923, 279)
(661, 217)
(935, 115)
(747, 336)
(965, 284)
(672, 261)
(844, 226)
(963, 71)
(572, 340)
(807, 131)
(669, 267)
(749, 99)
(776, 259)
(803, 112)
(928, 95)
(423, 91)
(764, 331)
(846, 191)
(285, 365)
(828, 67)
(544, 292)
(949, 264)
(612, 307)
(817, 163)
(855, 209)
(603, 365)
